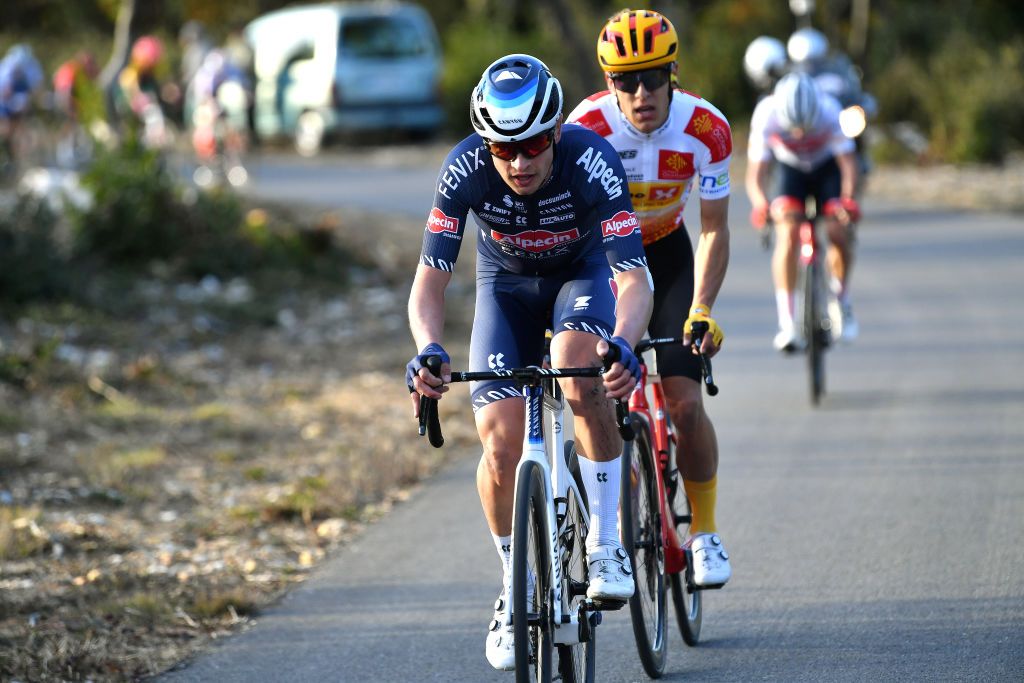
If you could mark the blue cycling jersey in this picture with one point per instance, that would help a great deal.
(581, 211)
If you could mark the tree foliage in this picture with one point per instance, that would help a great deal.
(952, 78)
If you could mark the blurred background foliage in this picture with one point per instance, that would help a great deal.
(954, 68)
(961, 82)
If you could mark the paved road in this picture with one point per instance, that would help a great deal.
(878, 537)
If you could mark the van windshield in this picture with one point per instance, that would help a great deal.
(381, 37)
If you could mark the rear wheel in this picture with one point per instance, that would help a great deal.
(641, 536)
(576, 662)
(687, 601)
(531, 578)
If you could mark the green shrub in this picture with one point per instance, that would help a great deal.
(136, 216)
(33, 265)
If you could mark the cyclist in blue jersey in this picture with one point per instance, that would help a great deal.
(558, 246)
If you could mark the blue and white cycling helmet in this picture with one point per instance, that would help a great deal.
(516, 98)
(796, 101)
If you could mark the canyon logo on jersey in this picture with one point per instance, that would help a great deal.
(438, 222)
(622, 224)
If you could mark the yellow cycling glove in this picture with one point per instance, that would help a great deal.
(702, 313)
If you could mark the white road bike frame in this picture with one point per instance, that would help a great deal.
(544, 444)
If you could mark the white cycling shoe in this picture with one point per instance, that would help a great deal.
(844, 325)
(501, 649)
(711, 567)
(788, 340)
(611, 576)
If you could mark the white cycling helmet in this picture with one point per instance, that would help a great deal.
(764, 60)
(516, 98)
(807, 45)
(796, 101)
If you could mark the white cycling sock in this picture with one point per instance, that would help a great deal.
(601, 480)
(784, 306)
(504, 546)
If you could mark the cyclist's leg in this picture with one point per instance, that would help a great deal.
(671, 262)
(840, 251)
(583, 314)
(507, 332)
(787, 211)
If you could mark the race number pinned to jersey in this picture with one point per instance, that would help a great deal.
(673, 165)
(622, 224)
(438, 222)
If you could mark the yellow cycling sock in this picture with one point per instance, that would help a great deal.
(702, 504)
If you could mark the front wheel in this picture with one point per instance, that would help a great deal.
(687, 600)
(815, 331)
(641, 536)
(576, 662)
(531, 578)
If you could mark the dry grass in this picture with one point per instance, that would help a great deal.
(162, 481)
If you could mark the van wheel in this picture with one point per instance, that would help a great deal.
(309, 133)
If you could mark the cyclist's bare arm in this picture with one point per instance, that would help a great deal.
(848, 171)
(711, 258)
(633, 311)
(757, 181)
(426, 322)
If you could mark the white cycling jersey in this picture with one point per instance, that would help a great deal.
(695, 141)
(769, 138)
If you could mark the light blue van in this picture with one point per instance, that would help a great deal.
(345, 67)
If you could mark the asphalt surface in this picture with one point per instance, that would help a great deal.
(876, 537)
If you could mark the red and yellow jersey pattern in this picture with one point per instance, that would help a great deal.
(693, 145)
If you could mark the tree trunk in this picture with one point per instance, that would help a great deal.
(581, 49)
(118, 53)
(860, 14)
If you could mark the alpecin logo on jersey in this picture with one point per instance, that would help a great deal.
(622, 224)
(599, 169)
(536, 240)
(438, 222)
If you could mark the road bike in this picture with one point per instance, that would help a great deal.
(812, 302)
(550, 613)
(812, 299)
(655, 522)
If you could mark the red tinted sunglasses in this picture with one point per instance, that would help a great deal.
(530, 147)
(629, 81)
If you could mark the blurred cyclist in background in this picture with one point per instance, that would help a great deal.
(137, 96)
(21, 81)
(798, 127)
(765, 62)
(78, 101)
(808, 52)
(220, 93)
(669, 139)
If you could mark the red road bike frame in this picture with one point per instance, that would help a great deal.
(663, 443)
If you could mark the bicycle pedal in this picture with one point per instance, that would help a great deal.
(710, 587)
(605, 604)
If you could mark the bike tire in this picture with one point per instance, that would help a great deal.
(814, 331)
(531, 555)
(686, 599)
(576, 663)
(641, 536)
